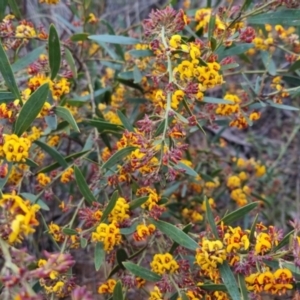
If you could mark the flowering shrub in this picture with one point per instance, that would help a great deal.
(111, 151)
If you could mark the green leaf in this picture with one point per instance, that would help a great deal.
(268, 63)
(246, 4)
(118, 156)
(210, 219)
(187, 169)
(109, 51)
(183, 296)
(125, 121)
(131, 84)
(127, 75)
(28, 59)
(128, 230)
(7, 73)
(3, 5)
(6, 97)
(206, 177)
(31, 163)
(285, 241)
(104, 125)
(292, 267)
(114, 39)
(118, 293)
(65, 114)
(140, 53)
(185, 229)
(110, 206)
(216, 100)
(69, 231)
(83, 242)
(99, 256)
(53, 153)
(284, 17)
(77, 37)
(242, 286)
(295, 66)
(282, 106)
(229, 281)
(68, 159)
(32, 199)
(141, 272)
(239, 213)
(214, 287)
(252, 230)
(15, 9)
(229, 66)
(111, 31)
(71, 62)
(51, 122)
(137, 75)
(31, 109)
(121, 257)
(235, 50)
(211, 26)
(138, 202)
(88, 97)
(83, 186)
(176, 234)
(54, 51)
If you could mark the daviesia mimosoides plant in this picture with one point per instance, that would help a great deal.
(111, 153)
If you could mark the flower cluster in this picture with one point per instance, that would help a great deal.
(120, 154)
(164, 263)
(18, 218)
(108, 234)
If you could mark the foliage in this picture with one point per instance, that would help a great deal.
(112, 147)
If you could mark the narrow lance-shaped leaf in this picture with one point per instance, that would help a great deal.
(211, 26)
(210, 219)
(186, 229)
(28, 59)
(3, 5)
(137, 75)
(285, 241)
(104, 125)
(229, 281)
(285, 17)
(176, 234)
(6, 97)
(110, 206)
(53, 153)
(71, 62)
(99, 256)
(118, 293)
(125, 121)
(114, 39)
(83, 186)
(14, 8)
(117, 157)
(243, 288)
(141, 272)
(138, 202)
(68, 159)
(65, 114)
(31, 109)
(239, 213)
(7, 73)
(54, 51)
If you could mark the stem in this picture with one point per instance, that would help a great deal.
(170, 71)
